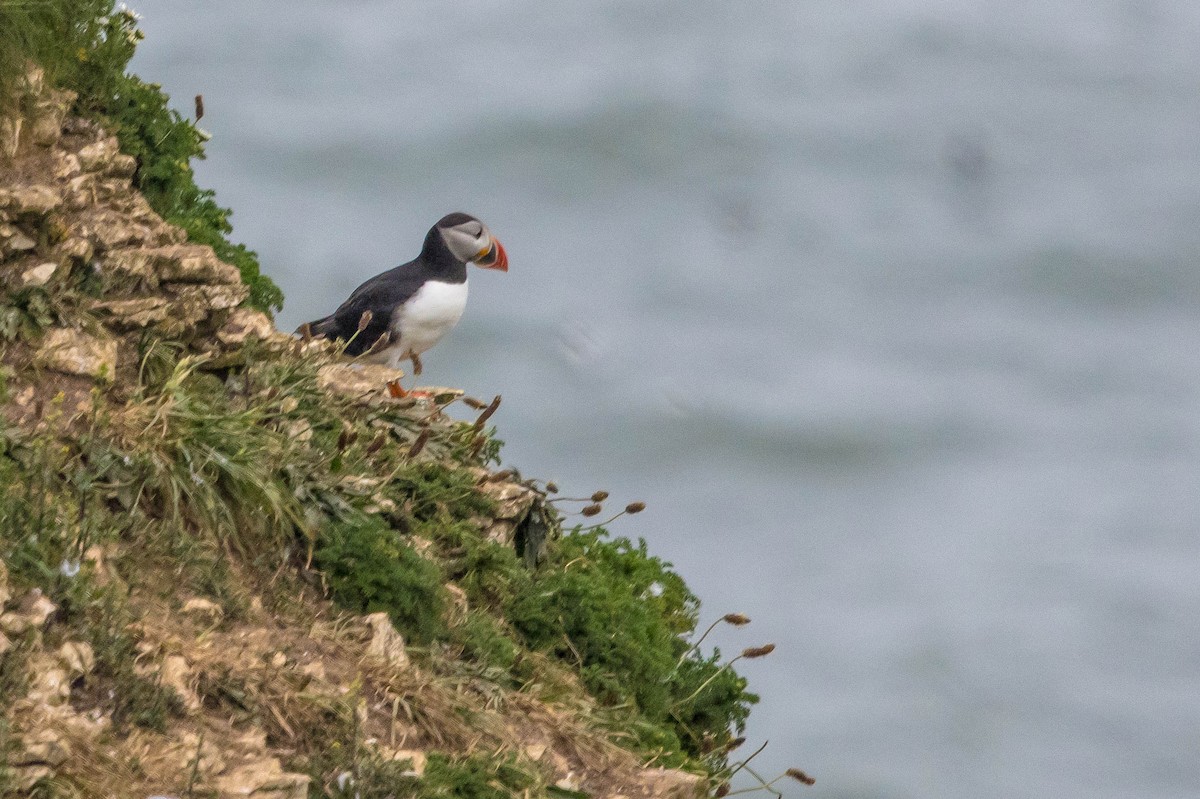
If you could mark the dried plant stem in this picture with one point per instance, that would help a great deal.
(753, 755)
(708, 682)
(601, 524)
(699, 641)
(763, 784)
(195, 766)
(487, 413)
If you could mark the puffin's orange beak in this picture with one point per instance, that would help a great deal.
(496, 257)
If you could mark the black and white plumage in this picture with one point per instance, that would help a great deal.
(413, 305)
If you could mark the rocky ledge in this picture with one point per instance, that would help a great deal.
(80, 247)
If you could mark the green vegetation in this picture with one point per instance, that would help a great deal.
(369, 569)
(251, 470)
(623, 617)
(236, 478)
(472, 777)
(85, 46)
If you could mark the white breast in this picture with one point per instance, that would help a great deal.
(427, 316)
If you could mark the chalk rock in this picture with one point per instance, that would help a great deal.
(132, 261)
(513, 502)
(134, 313)
(262, 779)
(208, 611)
(31, 612)
(33, 81)
(39, 275)
(193, 263)
(671, 783)
(19, 242)
(176, 674)
(10, 136)
(78, 353)
(31, 200)
(387, 645)
(416, 758)
(98, 156)
(173, 263)
(194, 752)
(47, 116)
(77, 657)
(113, 230)
(49, 686)
(76, 248)
(66, 166)
(243, 324)
(35, 757)
(315, 670)
(209, 298)
(360, 381)
(44, 747)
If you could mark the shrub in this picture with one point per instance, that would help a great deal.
(370, 568)
(621, 616)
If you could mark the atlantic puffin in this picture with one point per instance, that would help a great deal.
(404, 311)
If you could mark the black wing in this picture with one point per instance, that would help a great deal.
(380, 295)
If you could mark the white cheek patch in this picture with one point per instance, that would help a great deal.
(463, 244)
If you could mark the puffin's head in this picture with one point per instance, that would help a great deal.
(471, 242)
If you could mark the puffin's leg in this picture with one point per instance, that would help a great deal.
(393, 386)
(397, 391)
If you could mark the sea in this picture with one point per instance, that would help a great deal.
(889, 311)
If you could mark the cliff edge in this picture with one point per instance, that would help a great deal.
(231, 564)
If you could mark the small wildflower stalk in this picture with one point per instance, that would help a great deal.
(419, 444)
(377, 443)
(748, 653)
(597, 497)
(769, 785)
(363, 322)
(377, 345)
(487, 413)
(592, 510)
(736, 619)
(763, 783)
(745, 764)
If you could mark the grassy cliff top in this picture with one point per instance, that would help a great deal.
(231, 562)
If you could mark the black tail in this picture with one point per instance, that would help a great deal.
(327, 327)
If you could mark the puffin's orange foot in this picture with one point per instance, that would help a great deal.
(396, 391)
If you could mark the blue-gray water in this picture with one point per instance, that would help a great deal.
(889, 310)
